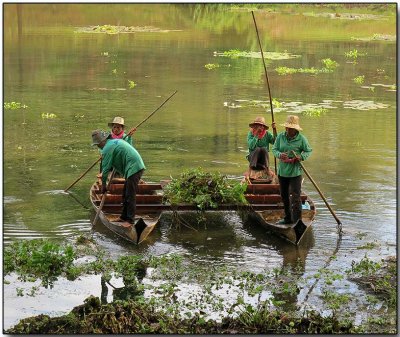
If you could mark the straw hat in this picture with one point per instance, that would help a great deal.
(98, 136)
(259, 121)
(292, 122)
(117, 120)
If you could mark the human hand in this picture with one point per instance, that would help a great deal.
(296, 159)
(283, 156)
(261, 133)
(132, 131)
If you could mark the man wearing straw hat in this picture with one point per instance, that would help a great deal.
(289, 168)
(124, 158)
(117, 130)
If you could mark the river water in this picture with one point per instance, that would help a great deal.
(72, 81)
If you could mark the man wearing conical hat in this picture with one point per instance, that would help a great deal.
(117, 126)
(258, 140)
(289, 168)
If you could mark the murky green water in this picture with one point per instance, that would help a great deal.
(74, 82)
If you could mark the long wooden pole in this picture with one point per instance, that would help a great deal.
(103, 198)
(320, 193)
(129, 133)
(266, 76)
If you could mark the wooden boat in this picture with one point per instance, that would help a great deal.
(147, 209)
(265, 208)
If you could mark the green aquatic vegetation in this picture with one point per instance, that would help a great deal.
(204, 189)
(363, 105)
(235, 53)
(369, 245)
(111, 29)
(138, 317)
(335, 301)
(48, 116)
(14, 106)
(314, 112)
(276, 103)
(379, 277)
(286, 70)
(354, 54)
(359, 79)
(377, 37)
(131, 84)
(330, 64)
(38, 258)
(211, 66)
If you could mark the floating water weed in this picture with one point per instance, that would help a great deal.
(354, 54)
(211, 66)
(14, 106)
(39, 258)
(330, 64)
(359, 79)
(235, 53)
(110, 29)
(132, 84)
(314, 112)
(48, 116)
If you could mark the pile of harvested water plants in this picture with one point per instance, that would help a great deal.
(204, 189)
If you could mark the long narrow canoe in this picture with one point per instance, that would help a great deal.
(265, 208)
(146, 218)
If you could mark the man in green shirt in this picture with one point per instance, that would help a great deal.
(258, 140)
(125, 159)
(289, 168)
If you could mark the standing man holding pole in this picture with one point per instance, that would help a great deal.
(291, 147)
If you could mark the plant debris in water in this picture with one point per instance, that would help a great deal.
(166, 309)
(309, 109)
(136, 317)
(377, 37)
(235, 53)
(204, 189)
(110, 29)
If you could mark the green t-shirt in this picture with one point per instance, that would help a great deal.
(118, 154)
(253, 141)
(299, 144)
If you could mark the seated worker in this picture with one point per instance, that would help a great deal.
(258, 140)
(119, 155)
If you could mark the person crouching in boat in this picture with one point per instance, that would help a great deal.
(258, 140)
(126, 160)
(289, 168)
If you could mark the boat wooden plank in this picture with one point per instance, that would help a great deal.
(142, 188)
(267, 198)
(140, 199)
(263, 189)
